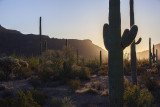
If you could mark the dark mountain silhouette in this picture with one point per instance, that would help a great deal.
(145, 54)
(14, 42)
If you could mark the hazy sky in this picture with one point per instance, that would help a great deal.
(79, 19)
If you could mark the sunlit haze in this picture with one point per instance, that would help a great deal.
(79, 19)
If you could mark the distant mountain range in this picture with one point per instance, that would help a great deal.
(14, 42)
(145, 54)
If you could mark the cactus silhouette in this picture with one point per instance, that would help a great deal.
(156, 55)
(40, 34)
(150, 54)
(66, 48)
(115, 44)
(153, 56)
(66, 43)
(133, 50)
(100, 58)
(77, 56)
(45, 45)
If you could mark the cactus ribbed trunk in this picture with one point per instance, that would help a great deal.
(150, 54)
(40, 34)
(153, 57)
(133, 47)
(45, 45)
(77, 56)
(156, 55)
(115, 56)
(115, 44)
(100, 58)
(66, 48)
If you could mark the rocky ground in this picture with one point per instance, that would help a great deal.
(92, 93)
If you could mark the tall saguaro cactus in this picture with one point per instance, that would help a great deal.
(153, 56)
(66, 43)
(100, 58)
(150, 54)
(133, 47)
(77, 56)
(156, 55)
(40, 34)
(66, 48)
(45, 45)
(115, 44)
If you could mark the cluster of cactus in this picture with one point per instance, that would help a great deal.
(115, 44)
(152, 57)
(133, 50)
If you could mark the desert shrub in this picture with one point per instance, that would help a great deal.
(74, 84)
(49, 76)
(69, 55)
(51, 66)
(67, 70)
(33, 62)
(84, 73)
(102, 72)
(141, 70)
(149, 81)
(136, 97)
(8, 65)
(52, 61)
(22, 100)
(26, 100)
(143, 63)
(39, 97)
(23, 73)
(127, 66)
(65, 102)
(93, 64)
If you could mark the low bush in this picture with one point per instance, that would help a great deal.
(136, 97)
(149, 81)
(39, 97)
(93, 64)
(65, 102)
(84, 73)
(74, 84)
(22, 100)
(9, 65)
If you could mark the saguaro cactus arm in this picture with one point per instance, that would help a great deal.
(139, 41)
(129, 36)
(105, 36)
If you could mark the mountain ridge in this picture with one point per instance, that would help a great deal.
(14, 42)
(145, 54)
